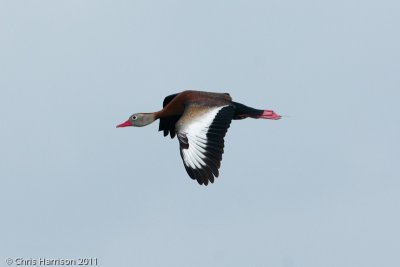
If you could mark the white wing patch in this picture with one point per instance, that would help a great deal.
(196, 134)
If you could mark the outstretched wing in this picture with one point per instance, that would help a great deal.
(201, 132)
(167, 124)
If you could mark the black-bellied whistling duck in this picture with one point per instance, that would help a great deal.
(200, 120)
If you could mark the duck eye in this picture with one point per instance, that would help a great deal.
(134, 117)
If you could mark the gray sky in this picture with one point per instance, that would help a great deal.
(319, 188)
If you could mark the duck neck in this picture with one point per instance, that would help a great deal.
(148, 118)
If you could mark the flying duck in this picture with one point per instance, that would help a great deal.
(200, 120)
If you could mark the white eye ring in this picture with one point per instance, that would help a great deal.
(134, 117)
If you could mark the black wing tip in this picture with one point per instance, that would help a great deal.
(202, 176)
(166, 133)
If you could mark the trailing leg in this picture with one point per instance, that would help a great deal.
(242, 112)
